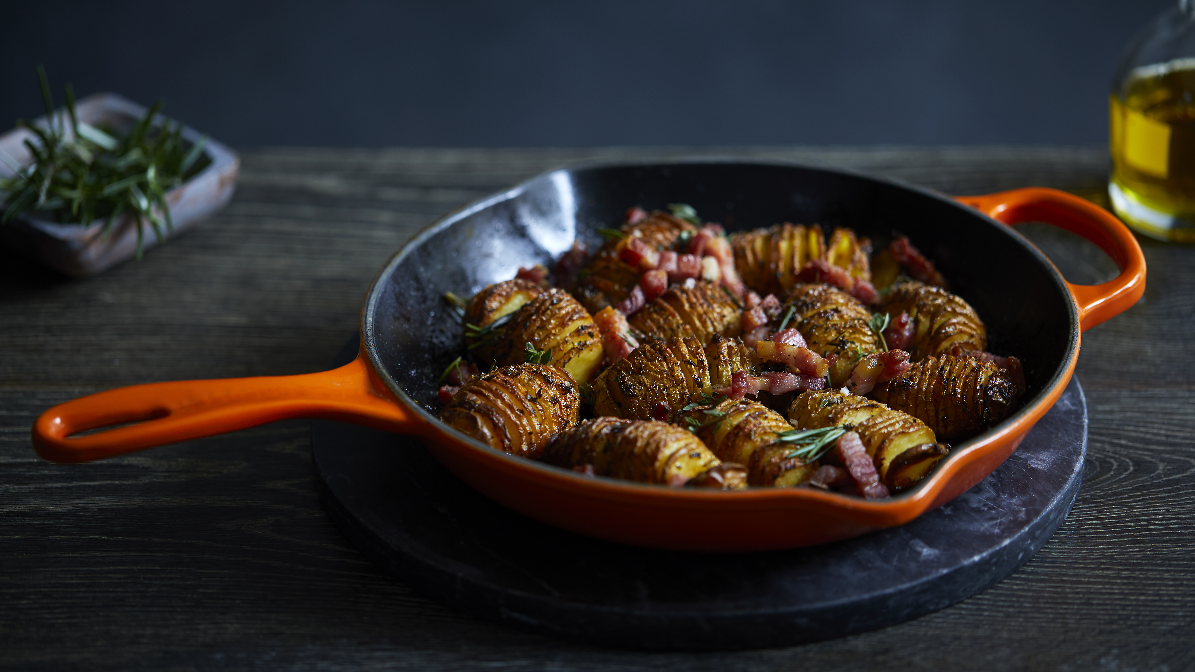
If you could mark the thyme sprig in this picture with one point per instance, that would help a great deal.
(538, 356)
(811, 444)
(878, 324)
(788, 315)
(84, 174)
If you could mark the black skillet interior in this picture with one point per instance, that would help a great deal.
(414, 335)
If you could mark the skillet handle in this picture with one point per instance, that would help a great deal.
(182, 410)
(1096, 303)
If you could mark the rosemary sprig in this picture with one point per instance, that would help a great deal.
(878, 324)
(83, 174)
(538, 356)
(788, 315)
(455, 363)
(611, 234)
(686, 212)
(458, 304)
(811, 444)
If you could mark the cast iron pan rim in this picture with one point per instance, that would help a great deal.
(369, 313)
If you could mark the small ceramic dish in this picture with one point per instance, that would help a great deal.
(83, 251)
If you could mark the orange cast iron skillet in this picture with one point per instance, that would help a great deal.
(409, 336)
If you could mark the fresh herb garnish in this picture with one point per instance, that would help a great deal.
(536, 356)
(611, 234)
(682, 241)
(686, 212)
(788, 314)
(811, 444)
(458, 304)
(455, 363)
(878, 324)
(83, 174)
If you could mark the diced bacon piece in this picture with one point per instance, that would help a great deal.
(667, 263)
(1011, 365)
(639, 254)
(742, 384)
(634, 301)
(853, 455)
(820, 270)
(569, 264)
(698, 242)
(446, 393)
(753, 337)
(894, 363)
(753, 319)
(719, 248)
(687, 266)
(751, 300)
(899, 333)
(789, 336)
(771, 306)
(654, 283)
(537, 274)
(617, 341)
(661, 411)
(780, 382)
(636, 215)
(585, 470)
(798, 359)
(832, 359)
(677, 481)
(864, 291)
(711, 270)
(829, 476)
(915, 263)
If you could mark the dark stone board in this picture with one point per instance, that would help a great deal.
(410, 515)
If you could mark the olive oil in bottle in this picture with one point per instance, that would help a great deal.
(1152, 137)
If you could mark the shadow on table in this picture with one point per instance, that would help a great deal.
(18, 272)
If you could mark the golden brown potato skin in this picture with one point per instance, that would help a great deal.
(957, 397)
(847, 251)
(642, 451)
(491, 304)
(745, 431)
(516, 409)
(941, 320)
(768, 260)
(702, 311)
(904, 448)
(607, 280)
(726, 356)
(833, 323)
(554, 321)
(671, 371)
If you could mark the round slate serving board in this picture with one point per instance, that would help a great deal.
(410, 515)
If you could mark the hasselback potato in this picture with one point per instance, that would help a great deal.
(554, 321)
(702, 311)
(491, 305)
(745, 432)
(516, 409)
(941, 320)
(669, 372)
(956, 397)
(903, 448)
(845, 250)
(726, 356)
(768, 260)
(833, 323)
(607, 280)
(643, 451)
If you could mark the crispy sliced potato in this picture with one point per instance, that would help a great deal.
(903, 448)
(846, 251)
(726, 356)
(607, 280)
(491, 305)
(667, 372)
(745, 432)
(554, 321)
(833, 323)
(645, 451)
(516, 409)
(702, 311)
(768, 260)
(941, 320)
(957, 397)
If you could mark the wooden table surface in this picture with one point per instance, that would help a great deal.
(216, 554)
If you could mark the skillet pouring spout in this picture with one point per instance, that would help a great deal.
(407, 339)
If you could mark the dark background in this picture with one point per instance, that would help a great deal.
(540, 73)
